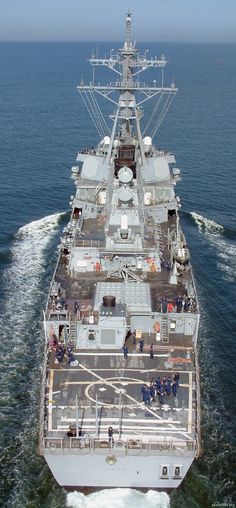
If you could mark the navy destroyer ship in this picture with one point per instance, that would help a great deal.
(120, 393)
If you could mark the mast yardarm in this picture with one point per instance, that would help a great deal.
(127, 63)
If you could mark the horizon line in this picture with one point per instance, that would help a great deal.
(112, 41)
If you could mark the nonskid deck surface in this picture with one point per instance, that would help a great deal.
(82, 285)
(117, 383)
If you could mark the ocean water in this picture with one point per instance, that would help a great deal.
(42, 126)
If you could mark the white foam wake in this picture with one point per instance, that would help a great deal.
(225, 251)
(24, 275)
(37, 227)
(226, 257)
(22, 284)
(119, 498)
(207, 224)
(23, 296)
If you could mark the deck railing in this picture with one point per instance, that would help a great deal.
(43, 385)
(198, 408)
(102, 445)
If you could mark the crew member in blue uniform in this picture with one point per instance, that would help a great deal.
(174, 389)
(141, 345)
(125, 350)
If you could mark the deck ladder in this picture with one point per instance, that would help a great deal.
(158, 238)
(164, 329)
(98, 189)
(73, 330)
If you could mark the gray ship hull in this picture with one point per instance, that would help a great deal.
(92, 471)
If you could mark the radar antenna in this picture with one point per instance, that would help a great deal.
(128, 43)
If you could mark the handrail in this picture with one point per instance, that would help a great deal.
(98, 445)
(43, 384)
(198, 407)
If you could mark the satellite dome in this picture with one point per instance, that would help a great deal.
(125, 195)
(125, 174)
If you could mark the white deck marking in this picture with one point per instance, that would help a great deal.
(150, 430)
(122, 354)
(125, 420)
(139, 381)
(50, 392)
(126, 395)
(138, 405)
(190, 403)
(74, 369)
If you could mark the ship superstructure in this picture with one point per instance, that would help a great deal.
(120, 401)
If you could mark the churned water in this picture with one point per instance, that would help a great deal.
(42, 126)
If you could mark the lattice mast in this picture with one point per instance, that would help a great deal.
(127, 63)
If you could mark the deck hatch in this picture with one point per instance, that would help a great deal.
(136, 295)
(108, 336)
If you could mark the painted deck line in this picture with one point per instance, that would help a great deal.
(190, 402)
(50, 402)
(151, 430)
(115, 388)
(74, 369)
(132, 420)
(134, 382)
(125, 406)
(122, 354)
(129, 397)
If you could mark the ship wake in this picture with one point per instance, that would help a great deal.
(24, 291)
(206, 224)
(119, 498)
(22, 279)
(224, 246)
(40, 226)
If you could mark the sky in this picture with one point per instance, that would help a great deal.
(103, 20)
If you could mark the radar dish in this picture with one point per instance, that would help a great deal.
(125, 174)
(125, 195)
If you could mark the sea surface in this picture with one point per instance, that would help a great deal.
(42, 126)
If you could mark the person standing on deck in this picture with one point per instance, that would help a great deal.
(141, 345)
(174, 389)
(110, 436)
(76, 306)
(158, 383)
(176, 378)
(143, 391)
(151, 352)
(164, 304)
(152, 391)
(148, 394)
(125, 350)
(168, 387)
(162, 395)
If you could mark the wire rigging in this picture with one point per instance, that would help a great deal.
(100, 113)
(94, 111)
(154, 112)
(165, 109)
(86, 104)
